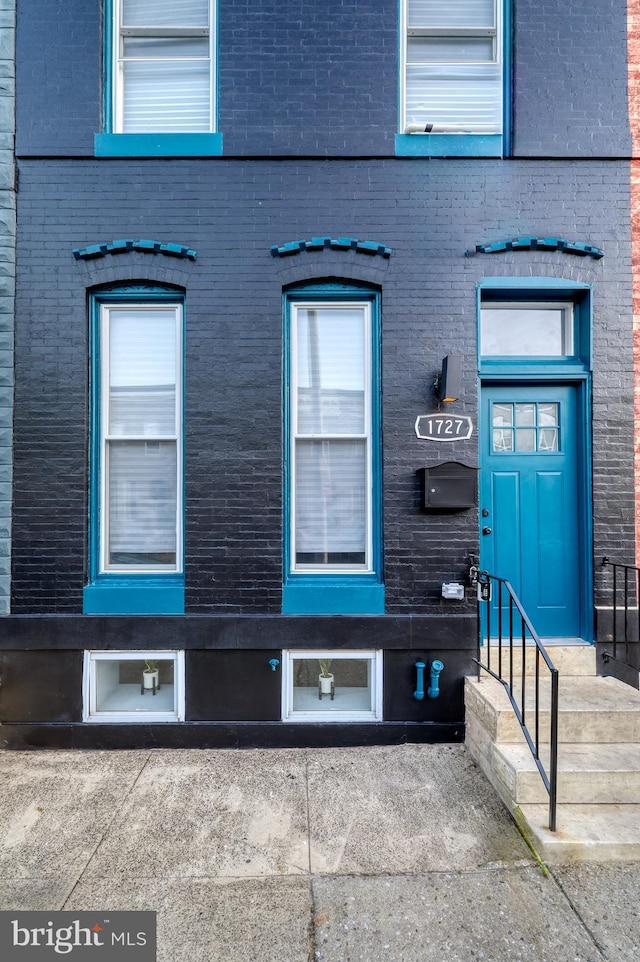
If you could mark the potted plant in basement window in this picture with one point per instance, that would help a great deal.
(150, 676)
(325, 679)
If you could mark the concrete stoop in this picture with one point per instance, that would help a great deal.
(598, 814)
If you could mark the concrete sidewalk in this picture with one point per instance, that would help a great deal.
(401, 854)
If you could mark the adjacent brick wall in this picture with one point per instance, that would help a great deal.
(570, 98)
(7, 286)
(633, 14)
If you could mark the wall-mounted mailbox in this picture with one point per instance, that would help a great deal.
(450, 486)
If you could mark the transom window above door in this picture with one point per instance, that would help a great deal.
(527, 330)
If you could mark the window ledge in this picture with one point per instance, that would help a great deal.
(326, 598)
(158, 145)
(448, 145)
(146, 597)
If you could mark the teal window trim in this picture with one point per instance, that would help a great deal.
(460, 145)
(157, 145)
(125, 592)
(334, 592)
(449, 145)
(539, 290)
(110, 143)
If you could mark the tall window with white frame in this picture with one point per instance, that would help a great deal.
(139, 447)
(163, 66)
(453, 66)
(332, 456)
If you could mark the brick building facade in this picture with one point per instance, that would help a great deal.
(303, 227)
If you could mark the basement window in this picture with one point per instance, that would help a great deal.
(332, 686)
(133, 686)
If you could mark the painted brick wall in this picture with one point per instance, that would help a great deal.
(231, 212)
(633, 13)
(7, 286)
(570, 97)
(307, 78)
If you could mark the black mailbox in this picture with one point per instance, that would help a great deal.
(450, 486)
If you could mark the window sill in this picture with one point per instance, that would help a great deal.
(448, 145)
(158, 145)
(146, 597)
(326, 598)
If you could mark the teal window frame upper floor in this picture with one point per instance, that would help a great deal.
(118, 441)
(451, 49)
(152, 50)
(349, 584)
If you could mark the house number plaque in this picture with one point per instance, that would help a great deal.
(443, 427)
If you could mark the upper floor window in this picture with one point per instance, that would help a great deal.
(163, 66)
(453, 67)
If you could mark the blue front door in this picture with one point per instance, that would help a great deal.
(531, 507)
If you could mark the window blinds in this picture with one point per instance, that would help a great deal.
(453, 65)
(164, 68)
(331, 445)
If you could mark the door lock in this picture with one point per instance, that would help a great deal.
(486, 530)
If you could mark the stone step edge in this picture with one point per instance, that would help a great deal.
(617, 844)
(514, 767)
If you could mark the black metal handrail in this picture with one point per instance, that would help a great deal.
(513, 634)
(625, 620)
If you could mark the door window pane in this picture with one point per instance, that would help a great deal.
(525, 414)
(536, 427)
(525, 440)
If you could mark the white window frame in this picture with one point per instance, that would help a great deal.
(295, 436)
(106, 309)
(407, 32)
(176, 32)
(569, 325)
(288, 659)
(89, 689)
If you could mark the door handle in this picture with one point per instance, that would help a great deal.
(486, 530)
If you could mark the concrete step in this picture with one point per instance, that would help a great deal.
(591, 709)
(595, 833)
(587, 774)
(569, 659)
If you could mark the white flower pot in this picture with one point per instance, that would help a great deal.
(150, 679)
(326, 681)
